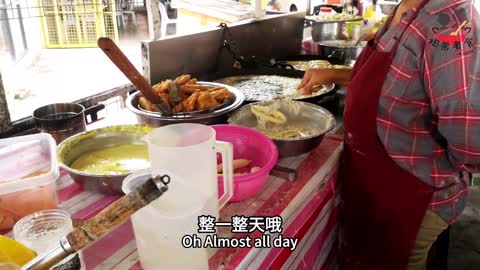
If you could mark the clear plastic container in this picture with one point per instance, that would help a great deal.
(43, 230)
(160, 226)
(28, 171)
(190, 151)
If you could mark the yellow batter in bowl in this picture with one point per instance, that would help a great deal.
(117, 160)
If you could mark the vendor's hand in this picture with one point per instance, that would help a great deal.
(314, 77)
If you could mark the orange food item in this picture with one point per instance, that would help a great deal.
(14, 206)
(183, 79)
(146, 105)
(206, 101)
(37, 173)
(255, 169)
(221, 95)
(211, 96)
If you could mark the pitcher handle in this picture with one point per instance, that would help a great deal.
(226, 150)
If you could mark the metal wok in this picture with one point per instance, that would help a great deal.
(322, 98)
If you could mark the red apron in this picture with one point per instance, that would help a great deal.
(383, 205)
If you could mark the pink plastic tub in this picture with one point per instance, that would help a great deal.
(248, 144)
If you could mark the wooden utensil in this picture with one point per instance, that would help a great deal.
(104, 222)
(128, 69)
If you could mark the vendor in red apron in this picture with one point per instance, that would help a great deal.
(412, 133)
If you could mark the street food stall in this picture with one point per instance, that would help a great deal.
(216, 137)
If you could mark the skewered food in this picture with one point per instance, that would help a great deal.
(194, 96)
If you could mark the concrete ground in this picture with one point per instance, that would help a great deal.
(464, 252)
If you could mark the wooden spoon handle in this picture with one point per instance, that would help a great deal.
(128, 69)
(112, 216)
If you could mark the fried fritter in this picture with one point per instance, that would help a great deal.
(206, 101)
(191, 88)
(183, 79)
(215, 89)
(191, 102)
(161, 87)
(195, 96)
(188, 89)
(167, 98)
(147, 105)
(199, 87)
(187, 105)
(221, 95)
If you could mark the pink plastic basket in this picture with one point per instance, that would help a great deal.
(248, 144)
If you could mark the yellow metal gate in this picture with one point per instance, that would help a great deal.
(77, 23)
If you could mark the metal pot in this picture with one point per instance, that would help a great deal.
(387, 7)
(217, 116)
(326, 31)
(341, 50)
(300, 115)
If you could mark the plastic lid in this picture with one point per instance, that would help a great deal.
(135, 179)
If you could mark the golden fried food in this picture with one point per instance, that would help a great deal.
(167, 98)
(147, 105)
(179, 107)
(221, 95)
(237, 164)
(255, 169)
(188, 89)
(191, 88)
(216, 89)
(188, 105)
(183, 79)
(199, 87)
(206, 101)
(161, 87)
(196, 97)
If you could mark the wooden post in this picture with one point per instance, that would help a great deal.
(5, 122)
(153, 15)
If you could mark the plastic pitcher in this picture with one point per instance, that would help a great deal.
(190, 152)
(160, 226)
